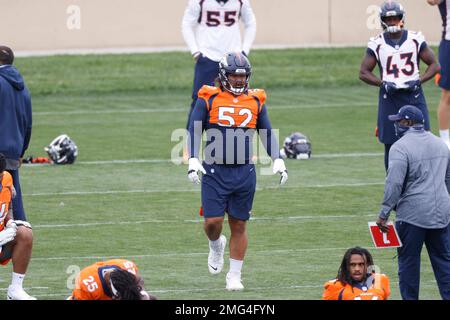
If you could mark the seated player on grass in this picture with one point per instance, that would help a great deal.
(355, 281)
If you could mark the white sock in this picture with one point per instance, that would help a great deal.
(17, 279)
(444, 135)
(215, 245)
(236, 266)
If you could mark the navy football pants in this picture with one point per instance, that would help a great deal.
(206, 72)
(438, 247)
(18, 211)
(444, 60)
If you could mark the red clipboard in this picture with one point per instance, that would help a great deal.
(383, 239)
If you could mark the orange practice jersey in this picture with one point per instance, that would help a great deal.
(90, 284)
(226, 110)
(230, 123)
(5, 197)
(378, 290)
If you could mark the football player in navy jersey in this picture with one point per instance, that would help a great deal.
(397, 52)
(444, 79)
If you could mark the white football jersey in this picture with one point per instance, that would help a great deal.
(212, 27)
(398, 62)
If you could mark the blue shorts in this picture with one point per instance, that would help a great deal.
(390, 104)
(228, 188)
(444, 60)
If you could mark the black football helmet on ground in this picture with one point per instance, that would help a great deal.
(296, 146)
(62, 150)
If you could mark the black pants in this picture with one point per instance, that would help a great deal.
(438, 247)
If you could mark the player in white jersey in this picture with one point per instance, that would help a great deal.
(211, 29)
(397, 52)
(444, 60)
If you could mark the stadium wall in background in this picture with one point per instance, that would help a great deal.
(48, 25)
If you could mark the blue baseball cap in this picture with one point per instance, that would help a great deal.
(408, 113)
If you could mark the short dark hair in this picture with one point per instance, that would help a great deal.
(6, 55)
(126, 284)
(2, 162)
(344, 270)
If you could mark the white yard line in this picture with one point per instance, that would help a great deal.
(314, 156)
(94, 224)
(141, 161)
(184, 110)
(223, 289)
(291, 287)
(185, 254)
(193, 189)
(66, 294)
(348, 155)
(28, 288)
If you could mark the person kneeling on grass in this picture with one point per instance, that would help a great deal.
(115, 279)
(16, 237)
(356, 281)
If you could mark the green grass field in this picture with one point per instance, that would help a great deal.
(125, 107)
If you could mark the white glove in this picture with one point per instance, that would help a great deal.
(279, 167)
(194, 167)
(11, 224)
(7, 235)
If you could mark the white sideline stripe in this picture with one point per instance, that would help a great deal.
(133, 161)
(199, 290)
(223, 289)
(139, 161)
(28, 288)
(170, 110)
(188, 254)
(90, 224)
(347, 155)
(107, 192)
(312, 286)
(315, 156)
